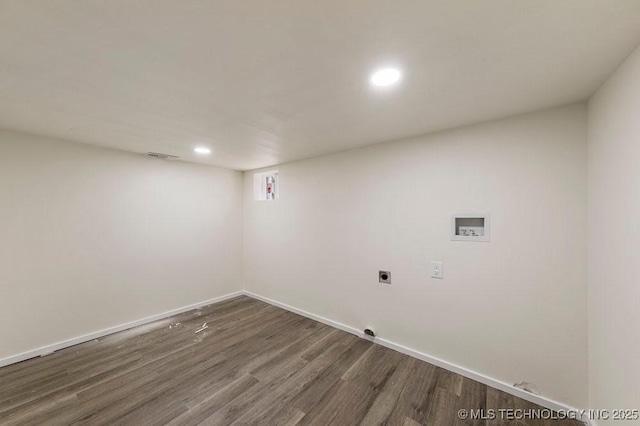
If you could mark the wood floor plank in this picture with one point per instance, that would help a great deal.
(441, 404)
(473, 396)
(498, 400)
(287, 416)
(281, 390)
(215, 401)
(275, 366)
(415, 396)
(319, 346)
(253, 364)
(374, 368)
(347, 404)
(314, 392)
(380, 412)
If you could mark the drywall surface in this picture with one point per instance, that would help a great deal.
(513, 309)
(614, 241)
(91, 238)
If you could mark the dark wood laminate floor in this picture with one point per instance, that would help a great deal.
(254, 364)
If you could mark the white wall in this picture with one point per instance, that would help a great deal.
(614, 241)
(513, 309)
(92, 238)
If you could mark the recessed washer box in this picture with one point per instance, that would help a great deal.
(471, 227)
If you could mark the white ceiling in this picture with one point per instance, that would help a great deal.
(268, 81)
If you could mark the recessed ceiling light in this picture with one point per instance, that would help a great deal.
(202, 150)
(385, 77)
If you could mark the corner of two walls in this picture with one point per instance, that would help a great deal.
(614, 242)
(512, 309)
(94, 238)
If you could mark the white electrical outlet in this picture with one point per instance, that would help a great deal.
(436, 270)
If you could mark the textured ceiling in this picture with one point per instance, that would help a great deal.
(264, 82)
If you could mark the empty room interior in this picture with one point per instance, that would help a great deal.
(413, 212)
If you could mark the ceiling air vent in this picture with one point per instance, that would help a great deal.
(161, 156)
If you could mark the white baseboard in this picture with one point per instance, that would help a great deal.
(494, 383)
(45, 350)
(536, 399)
